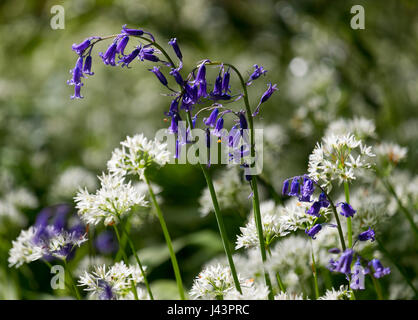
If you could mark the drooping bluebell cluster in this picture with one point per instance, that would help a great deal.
(194, 93)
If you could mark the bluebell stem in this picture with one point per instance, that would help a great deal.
(159, 75)
(343, 264)
(87, 66)
(346, 209)
(258, 71)
(367, 235)
(357, 278)
(109, 56)
(379, 270)
(266, 95)
(121, 45)
(211, 121)
(79, 48)
(126, 60)
(313, 231)
(174, 44)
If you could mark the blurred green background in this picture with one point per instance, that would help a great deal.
(324, 70)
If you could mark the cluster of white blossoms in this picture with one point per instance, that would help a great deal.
(390, 152)
(360, 127)
(112, 201)
(278, 221)
(33, 244)
(338, 158)
(341, 294)
(288, 296)
(215, 281)
(230, 191)
(136, 154)
(113, 283)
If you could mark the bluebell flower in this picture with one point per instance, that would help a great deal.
(219, 126)
(121, 45)
(314, 209)
(367, 235)
(106, 243)
(79, 48)
(211, 121)
(334, 250)
(159, 75)
(87, 66)
(307, 190)
(323, 199)
(126, 60)
(294, 187)
(258, 71)
(174, 107)
(225, 81)
(346, 209)
(132, 32)
(217, 92)
(313, 231)
(77, 72)
(175, 118)
(379, 270)
(109, 56)
(242, 120)
(266, 95)
(107, 293)
(201, 74)
(343, 264)
(146, 53)
(177, 76)
(357, 278)
(174, 44)
(77, 92)
(285, 188)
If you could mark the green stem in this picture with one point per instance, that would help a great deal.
(221, 226)
(124, 240)
(125, 258)
(168, 240)
(131, 245)
(406, 212)
(349, 230)
(337, 219)
(67, 269)
(314, 273)
(377, 288)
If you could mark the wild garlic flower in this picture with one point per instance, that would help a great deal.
(111, 202)
(288, 296)
(389, 152)
(213, 282)
(360, 127)
(136, 154)
(250, 291)
(341, 294)
(113, 283)
(37, 242)
(338, 158)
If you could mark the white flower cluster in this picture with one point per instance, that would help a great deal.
(335, 159)
(341, 294)
(278, 221)
(136, 154)
(230, 191)
(288, 296)
(361, 128)
(117, 279)
(112, 201)
(216, 281)
(390, 152)
(59, 243)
